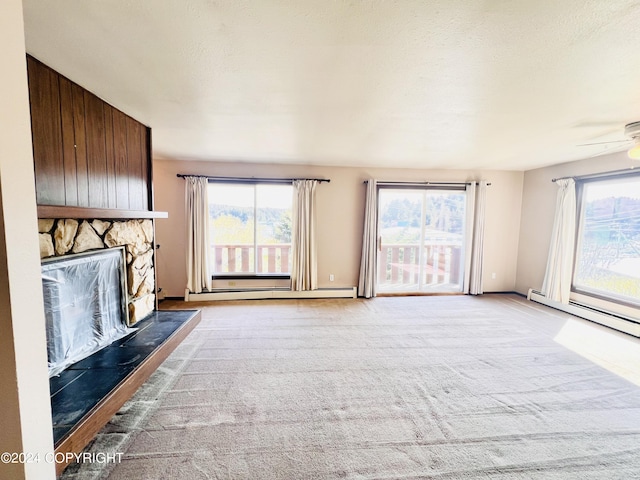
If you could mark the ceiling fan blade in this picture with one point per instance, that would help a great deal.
(597, 124)
(603, 143)
(607, 151)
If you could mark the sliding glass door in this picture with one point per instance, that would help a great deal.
(421, 240)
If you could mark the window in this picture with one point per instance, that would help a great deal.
(607, 261)
(421, 239)
(250, 228)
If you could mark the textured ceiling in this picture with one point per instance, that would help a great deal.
(436, 84)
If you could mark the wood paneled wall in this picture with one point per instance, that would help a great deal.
(86, 152)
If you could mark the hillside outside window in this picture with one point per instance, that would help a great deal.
(250, 229)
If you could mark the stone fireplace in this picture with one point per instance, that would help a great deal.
(65, 236)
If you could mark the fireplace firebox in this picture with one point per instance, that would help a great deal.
(85, 304)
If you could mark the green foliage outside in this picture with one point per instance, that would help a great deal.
(235, 225)
(614, 283)
(282, 231)
(231, 225)
(400, 218)
(226, 229)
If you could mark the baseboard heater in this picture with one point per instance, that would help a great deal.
(608, 319)
(349, 292)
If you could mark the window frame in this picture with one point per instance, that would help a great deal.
(580, 214)
(242, 275)
(466, 230)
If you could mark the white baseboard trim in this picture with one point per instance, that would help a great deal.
(349, 292)
(607, 319)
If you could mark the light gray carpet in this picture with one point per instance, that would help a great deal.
(391, 388)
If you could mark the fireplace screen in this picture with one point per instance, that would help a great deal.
(85, 305)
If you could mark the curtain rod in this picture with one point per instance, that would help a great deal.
(425, 183)
(252, 179)
(596, 175)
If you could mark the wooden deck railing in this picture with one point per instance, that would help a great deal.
(272, 258)
(400, 264)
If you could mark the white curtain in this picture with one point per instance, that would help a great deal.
(477, 242)
(468, 247)
(304, 271)
(197, 203)
(557, 279)
(368, 262)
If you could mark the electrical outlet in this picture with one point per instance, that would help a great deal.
(331, 277)
(493, 276)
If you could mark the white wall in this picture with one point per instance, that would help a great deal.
(538, 210)
(339, 216)
(25, 412)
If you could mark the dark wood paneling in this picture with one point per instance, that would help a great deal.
(44, 92)
(110, 156)
(135, 158)
(77, 95)
(144, 166)
(96, 151)
(86, 153)
(121, 159)
(151, 203)
(68, 143)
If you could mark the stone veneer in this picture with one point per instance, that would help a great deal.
(66, 236)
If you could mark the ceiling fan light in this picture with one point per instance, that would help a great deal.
(634, 152)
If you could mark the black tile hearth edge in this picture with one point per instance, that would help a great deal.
(84, 384)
